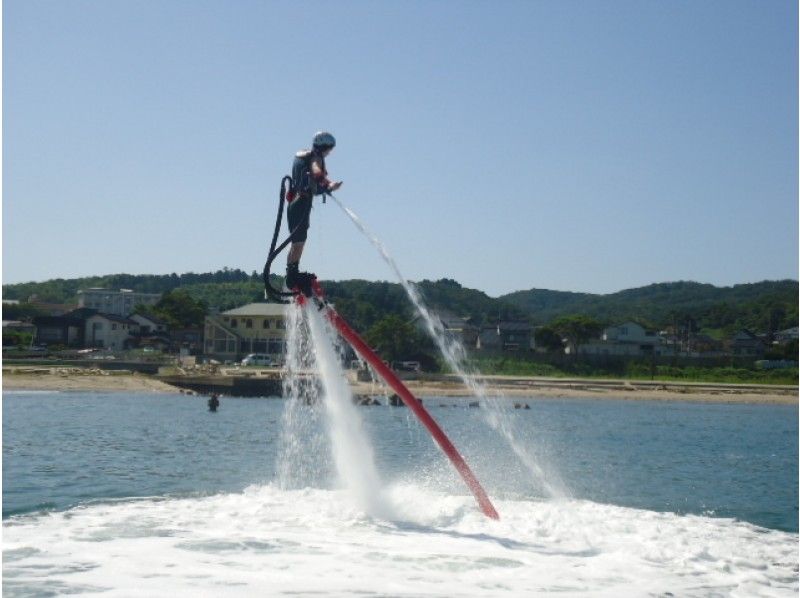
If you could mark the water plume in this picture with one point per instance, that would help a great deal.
(320, 421)
(495, 406)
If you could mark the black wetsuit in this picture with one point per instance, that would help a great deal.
(304, 188)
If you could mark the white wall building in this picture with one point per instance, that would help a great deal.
(120, 303)
(109, 331)
(252, 328)
(626, 339)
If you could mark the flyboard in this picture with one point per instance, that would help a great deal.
(314, 297)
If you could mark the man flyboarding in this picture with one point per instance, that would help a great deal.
(309, 178)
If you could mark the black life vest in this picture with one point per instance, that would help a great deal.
(303, 182)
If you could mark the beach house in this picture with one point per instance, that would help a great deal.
(252, 328)
(626, 339)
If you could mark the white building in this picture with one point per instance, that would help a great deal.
(109, 331)
(629, 339)
(120, 303)
(252, 328)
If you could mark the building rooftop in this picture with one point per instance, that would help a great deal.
(150, 318)
(257, 309)
(113, 292)
(116, 318)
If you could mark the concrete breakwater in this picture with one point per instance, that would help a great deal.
(233, 386)
(266, 383)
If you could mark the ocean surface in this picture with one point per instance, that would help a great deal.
(153, 495)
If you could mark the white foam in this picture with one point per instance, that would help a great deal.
(269, 541)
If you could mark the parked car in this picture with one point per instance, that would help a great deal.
(257, 359)
(407, 366)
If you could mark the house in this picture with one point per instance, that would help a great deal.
(152, 332)
(705, 345)
(488, 339)
(149, 325)
(786, 336)
(188, 341)
(627, 339)
(746, 344)
(456, 327)
(120, 303)
(251, 328)
(505, 336)
(68, 329)
(109, 331)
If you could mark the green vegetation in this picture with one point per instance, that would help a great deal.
(576, 329)
(721, 374)
(17, 338)
(383, 312)
(636, 371)
(395, 339)
(718, 311)
(226, 295)
(177, 309)
(766, 306)
(64, 290)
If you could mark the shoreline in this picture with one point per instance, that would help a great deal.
(73, 379)
(87, 381)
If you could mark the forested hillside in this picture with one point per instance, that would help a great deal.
(759, 306)
(762, 306)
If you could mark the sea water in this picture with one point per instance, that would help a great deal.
(152, 495)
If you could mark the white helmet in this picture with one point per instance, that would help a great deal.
(323, 140)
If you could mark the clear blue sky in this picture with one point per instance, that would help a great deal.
(570, 145)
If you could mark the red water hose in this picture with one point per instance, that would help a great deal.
(412, 403)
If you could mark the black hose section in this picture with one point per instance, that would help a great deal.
(272, 292)
(287, 180)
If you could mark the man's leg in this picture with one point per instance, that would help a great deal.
(297, 216)
(293, 264)
(295, 252)
(295, 278)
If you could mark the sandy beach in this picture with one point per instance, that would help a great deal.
(75, 379)
(95, 380)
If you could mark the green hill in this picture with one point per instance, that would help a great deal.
(761, 306)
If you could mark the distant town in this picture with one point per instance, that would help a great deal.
(121, 320)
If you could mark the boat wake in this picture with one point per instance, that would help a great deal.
(269, 540)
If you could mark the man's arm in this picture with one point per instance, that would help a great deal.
(320, 176)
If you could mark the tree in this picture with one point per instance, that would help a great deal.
(547, 338)
(395, 339)
(17, 338)
(179, 310)
(577, 330)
